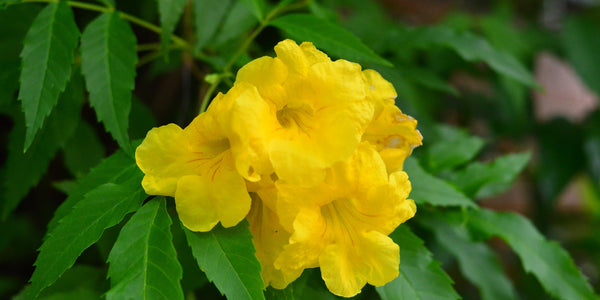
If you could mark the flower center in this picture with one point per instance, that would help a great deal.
(299, 117)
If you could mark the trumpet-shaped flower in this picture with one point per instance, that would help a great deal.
(342, 224)
(313, 111)
(196, 166)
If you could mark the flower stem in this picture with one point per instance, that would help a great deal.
(177, 41)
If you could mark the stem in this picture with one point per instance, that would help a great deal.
(179, 42)
(264, 23)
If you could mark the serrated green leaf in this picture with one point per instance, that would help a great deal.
(227, 257)
(47, 58)
(421, 277)
(83, 150)
(427, 188)
(108, 58)
(101, 208)
(487, 179)
(546, 260)
(257, 7)
(477, 262)
(474, 48)
(24, 170)
(238, 20)
(328, 37)
(117, 168)
(170, 12)
(451, 147)
(208, 15)
(143, 261)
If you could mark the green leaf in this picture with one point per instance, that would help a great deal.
(427, 188)
(327, 36)
(108, 58)
(581, 43)
(421, 277)
(239, 20)
(546, 260)
(47, 58)
(257, 7)
(83, 151)
(170, 12)
(473, 48)
(143, 261)
(487, 179)
(429, 79)
(310, 285)
(451, 147)
(101, 208)
(24, 170)
(227, 257)
(119, 167)
(477, 262)
(208, 15)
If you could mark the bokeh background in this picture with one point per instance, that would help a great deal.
(558, 122)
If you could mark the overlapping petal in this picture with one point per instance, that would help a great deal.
(343, 227)
(196, 166)
(310, 150)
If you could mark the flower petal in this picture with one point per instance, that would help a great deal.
(220, 195)
(163, 157)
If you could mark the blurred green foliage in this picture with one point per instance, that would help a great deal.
(467, 74)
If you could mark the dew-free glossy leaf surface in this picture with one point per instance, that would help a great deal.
(116, 168)
(143, 261)
(452, 147)
(47, 57)
(487, 179)
(227, 257)
(328, 37)
(101, 208)
(208, 15)
(108, 58)
(427, 188)
(170, 12)
(546, 260)
(477, 262)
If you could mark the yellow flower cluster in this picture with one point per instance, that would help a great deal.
(310, 151)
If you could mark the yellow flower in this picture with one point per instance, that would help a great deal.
(393, 133)
(342, 224)
(312, 111)
(197, 167)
